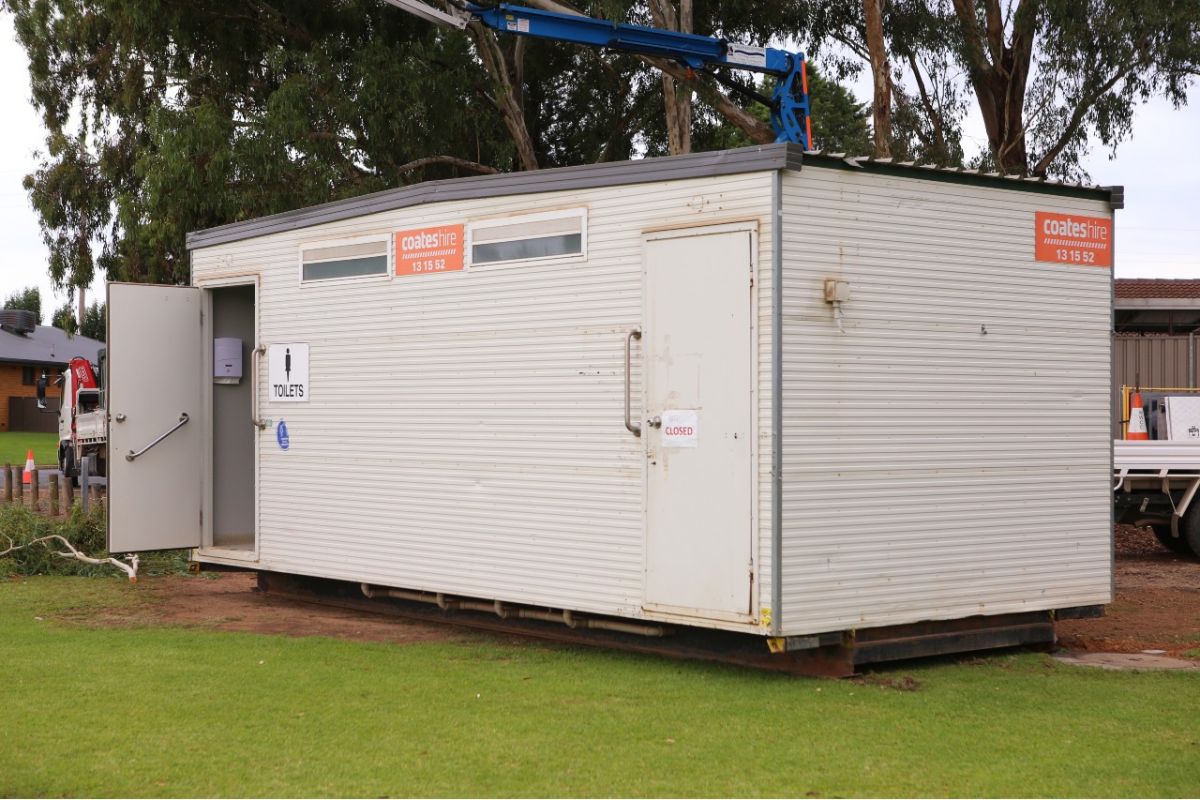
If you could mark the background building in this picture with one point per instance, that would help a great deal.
(1155, 324)
(26, 349)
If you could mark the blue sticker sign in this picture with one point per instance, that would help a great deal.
(281, 435)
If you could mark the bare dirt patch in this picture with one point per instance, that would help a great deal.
(1157, 605)
(232, 602)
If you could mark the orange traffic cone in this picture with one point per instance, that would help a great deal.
(1137, 420)
(29, 467)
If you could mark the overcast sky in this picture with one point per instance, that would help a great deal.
(1158, 233)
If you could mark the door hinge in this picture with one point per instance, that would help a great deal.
(202, 518)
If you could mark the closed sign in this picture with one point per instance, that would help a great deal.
(680, 427)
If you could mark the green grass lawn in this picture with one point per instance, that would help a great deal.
(14, 446)
(184, 712)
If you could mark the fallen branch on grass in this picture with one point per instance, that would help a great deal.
(129, 569)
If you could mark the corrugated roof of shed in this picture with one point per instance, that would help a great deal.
(647, 170)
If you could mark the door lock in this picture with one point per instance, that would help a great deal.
(654, 422)
(119, 418)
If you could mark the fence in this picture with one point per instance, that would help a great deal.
(25, 416)
(1149, 360)
(50, 492)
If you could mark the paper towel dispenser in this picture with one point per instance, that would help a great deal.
(227, 360)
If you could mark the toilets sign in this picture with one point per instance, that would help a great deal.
(287, 373)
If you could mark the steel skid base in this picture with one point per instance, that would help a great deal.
(829, 655)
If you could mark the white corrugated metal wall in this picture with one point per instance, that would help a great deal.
(465, 432)
(932, 470)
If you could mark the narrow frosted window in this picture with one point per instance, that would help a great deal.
(521, 239)
(344, 261)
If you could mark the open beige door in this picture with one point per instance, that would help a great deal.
(155, 428)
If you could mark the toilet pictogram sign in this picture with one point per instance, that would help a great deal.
(287, 373)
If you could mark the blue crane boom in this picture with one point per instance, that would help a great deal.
(788, 103)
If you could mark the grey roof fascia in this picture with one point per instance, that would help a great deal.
(1113, 195)
(622, 173)
(760, 158)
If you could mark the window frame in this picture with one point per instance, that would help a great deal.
(579, 212)
(320, 244)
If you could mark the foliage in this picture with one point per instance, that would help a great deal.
(95, 322)
(1044, 75)
(20, 525)
(28, 299)
(86, 532)
(199, 713)
(163, 119)
(64, 318)
(843, 126)
(167, 118)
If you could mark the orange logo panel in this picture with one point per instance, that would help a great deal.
(1072, 239)
(424, 251)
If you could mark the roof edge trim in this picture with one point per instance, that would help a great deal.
(1113, 195)
(763, 158)
(760, 158)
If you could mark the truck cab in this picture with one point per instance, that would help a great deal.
(82, 418)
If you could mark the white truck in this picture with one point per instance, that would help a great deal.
(82, 417)
(1157, 479)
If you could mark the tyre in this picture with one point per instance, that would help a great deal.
(66, 459)
(1176, 544)
(66, 463)
(1189, 527)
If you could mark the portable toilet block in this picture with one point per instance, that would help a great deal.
(783, 394)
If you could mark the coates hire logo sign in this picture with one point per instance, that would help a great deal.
(1072, 239)
(426, 251)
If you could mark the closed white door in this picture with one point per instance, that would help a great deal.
(698, 428)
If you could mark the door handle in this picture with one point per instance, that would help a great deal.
(254, 357)
(183, 420)
(120, 417)
(630, 425)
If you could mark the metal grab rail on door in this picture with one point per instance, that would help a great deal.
(632, 427)
(183, 420)
(258, 423)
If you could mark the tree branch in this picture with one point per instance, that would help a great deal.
(454, 161)
(510, 112)
(935, 117)
(1077, 118)
(129, 569)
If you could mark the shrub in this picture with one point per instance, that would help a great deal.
(86, 532)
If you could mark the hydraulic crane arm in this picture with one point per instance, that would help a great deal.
(789, 102)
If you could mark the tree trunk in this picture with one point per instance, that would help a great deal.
(881, 109)
(999, 73)
(506, 98)
(677, 100)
